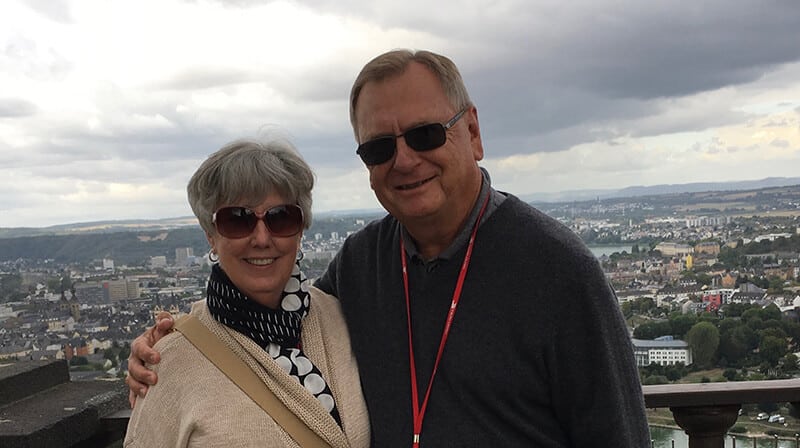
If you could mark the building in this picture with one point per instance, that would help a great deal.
(663, 351)
(707, 247)
(729, 280)
(123, 289)
(712, 301)
(159, 261)
(90, 292)
(669, 249)
(184, 256)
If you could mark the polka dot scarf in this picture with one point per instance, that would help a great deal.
(276, 331)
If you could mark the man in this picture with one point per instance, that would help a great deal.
(475, 318)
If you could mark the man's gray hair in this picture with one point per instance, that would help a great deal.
(249, 170)
(395, 62)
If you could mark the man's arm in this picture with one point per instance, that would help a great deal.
(327, 281)
(139, 376)
(598, 388)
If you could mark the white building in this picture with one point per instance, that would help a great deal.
(159, 261)
(184, 256)
(664, 352)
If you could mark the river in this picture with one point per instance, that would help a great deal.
(663, 438)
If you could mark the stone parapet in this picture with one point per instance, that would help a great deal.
(41, 407)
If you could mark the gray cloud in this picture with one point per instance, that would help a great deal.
(546, 76)
(780, 143)
(56, 10)
(16, 107)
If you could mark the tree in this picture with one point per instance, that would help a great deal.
(79, 361)
(652, 330)
(776, 284)
(734, 345)
(771, 312)
(703, 339)
(682, 323)
(730, 374)
(789, 363)
(655, 379)
(772, 349)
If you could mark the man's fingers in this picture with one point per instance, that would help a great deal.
(163, 327)
(141, 352)
(139, 376)
(135, 390)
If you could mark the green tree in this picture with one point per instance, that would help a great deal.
(776, 284)
(652, 330)
(627, 309)
(10, 286)
(734, 345)
(681, 323)
(772, 349)
(789, 363)
(79, 361)
(703, 339)
(772, 312)
(655, 379)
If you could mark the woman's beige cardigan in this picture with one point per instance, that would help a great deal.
(196, 405)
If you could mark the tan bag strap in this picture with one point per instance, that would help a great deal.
(244, 377)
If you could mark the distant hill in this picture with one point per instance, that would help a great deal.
(657, 190)
(136, 225)
(134, 242)
(323, 218)
(124, 247)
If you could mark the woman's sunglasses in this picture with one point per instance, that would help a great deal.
(239, 222)
(421, 138)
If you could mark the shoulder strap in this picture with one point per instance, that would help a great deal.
(241, 375)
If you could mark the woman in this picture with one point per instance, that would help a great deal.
(253, 200)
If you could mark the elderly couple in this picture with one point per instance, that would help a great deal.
(465, 317)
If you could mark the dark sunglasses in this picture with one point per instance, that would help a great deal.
(239, 222)
(420, 138)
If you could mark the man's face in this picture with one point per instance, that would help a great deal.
(439, 183)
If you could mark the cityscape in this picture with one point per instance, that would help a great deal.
(709, 283)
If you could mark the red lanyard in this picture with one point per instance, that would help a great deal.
(419, 412)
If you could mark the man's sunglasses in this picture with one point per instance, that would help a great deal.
(239, 222)
(420, 138)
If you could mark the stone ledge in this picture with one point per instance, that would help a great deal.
(21, 379)
(70, 414)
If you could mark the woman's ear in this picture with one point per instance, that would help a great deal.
(210, 239)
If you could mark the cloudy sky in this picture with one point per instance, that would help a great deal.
(108, 106)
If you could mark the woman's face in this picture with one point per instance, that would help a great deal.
(260, 263)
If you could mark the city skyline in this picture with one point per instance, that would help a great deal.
(109, 106)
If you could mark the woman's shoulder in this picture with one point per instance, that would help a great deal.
(326, 304)
(176, 350)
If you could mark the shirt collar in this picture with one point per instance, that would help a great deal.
(495, 199)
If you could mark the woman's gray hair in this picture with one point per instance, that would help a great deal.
(395, 62)
(248, 171)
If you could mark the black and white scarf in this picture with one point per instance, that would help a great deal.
(276, 331)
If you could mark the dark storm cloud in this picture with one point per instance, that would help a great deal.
(546, 74)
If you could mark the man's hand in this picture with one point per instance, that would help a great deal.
(139, 376)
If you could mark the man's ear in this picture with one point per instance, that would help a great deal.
(474, 129)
